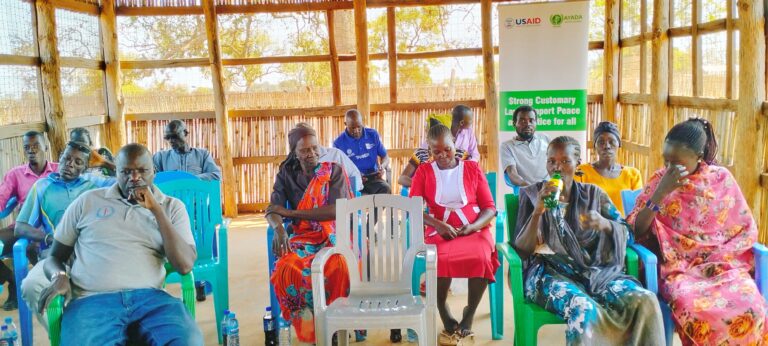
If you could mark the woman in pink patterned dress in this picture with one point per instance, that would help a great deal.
(695, 216)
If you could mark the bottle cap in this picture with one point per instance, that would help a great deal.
(226, 312)
(4, 328)
(9, 320)
(232, 314)
(269, 308)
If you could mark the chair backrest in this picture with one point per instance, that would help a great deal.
(9, 207)
(376, 231)
(512, 204)
(203, 202)
(166, 176)
(628, 198)
(491, 177)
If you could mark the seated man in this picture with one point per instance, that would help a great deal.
(524, 158)
(17, 183)
(363, 146)
(44, 208)
(182, 157)
(335, 155)
(101, 160)
(122, 236)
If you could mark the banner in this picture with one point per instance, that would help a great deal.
(543, 64)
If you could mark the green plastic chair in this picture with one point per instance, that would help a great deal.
(203, 202)
(529, 317)
(56, 308)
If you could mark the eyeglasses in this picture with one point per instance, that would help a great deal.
(170, 137)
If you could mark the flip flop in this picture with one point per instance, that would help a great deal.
(448, 339)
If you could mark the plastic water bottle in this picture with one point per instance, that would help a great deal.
(284, 333)
(412, 336)
(270, 332)
(224, 326)
(4, 336)
(233, 331)
(12, 331)
(552, 201)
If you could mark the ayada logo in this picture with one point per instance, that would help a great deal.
(560, 19)
(531, 21)
(556, 19)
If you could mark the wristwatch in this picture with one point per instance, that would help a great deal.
(652, 206)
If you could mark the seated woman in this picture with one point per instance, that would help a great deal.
(311, 189)
(693, 213)
(460, 209)
(423, 155)
(574, 259)
(606, 172)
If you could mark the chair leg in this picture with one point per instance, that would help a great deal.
(669, 325)
(218, 306)
(496, 295)
(342, 337)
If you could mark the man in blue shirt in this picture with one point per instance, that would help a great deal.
(363, 146)
(182, 157)
(44, 208)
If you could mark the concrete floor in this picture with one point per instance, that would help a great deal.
(249, 294)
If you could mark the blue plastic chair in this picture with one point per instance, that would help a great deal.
(166, 176)
(202, 200)
(628, 198)
(9, 207)
(515, 188)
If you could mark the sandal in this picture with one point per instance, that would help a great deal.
(448, 339)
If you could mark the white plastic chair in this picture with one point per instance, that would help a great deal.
(380, 295)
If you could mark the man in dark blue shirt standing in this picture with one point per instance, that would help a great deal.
(363, 146)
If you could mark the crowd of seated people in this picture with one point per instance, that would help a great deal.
(103, 240)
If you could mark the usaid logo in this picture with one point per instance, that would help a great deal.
(530, 21)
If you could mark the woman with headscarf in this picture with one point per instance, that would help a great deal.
(573, 252)
(694, 216)
(606, 172)
(310, 188)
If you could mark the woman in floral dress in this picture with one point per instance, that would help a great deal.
(694, 216)
(574, 259)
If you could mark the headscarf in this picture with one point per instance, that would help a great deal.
(297, 133)
(606, 127)
(435, 119)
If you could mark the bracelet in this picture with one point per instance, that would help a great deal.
(45, 239)
(652, 206)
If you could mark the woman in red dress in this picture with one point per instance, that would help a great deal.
(460, 210)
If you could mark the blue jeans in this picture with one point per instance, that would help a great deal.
(151, 316)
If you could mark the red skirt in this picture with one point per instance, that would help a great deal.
(471, 256)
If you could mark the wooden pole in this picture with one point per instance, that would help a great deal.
(749, 119)
(611, 53)
(220, 106)
(489, 86)
(643, 45)
(392, 53)
(659, 80)
(335, 81)
(729, 49)
(697, 71)
(116, 125)
(50, 75)
(361, 33)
